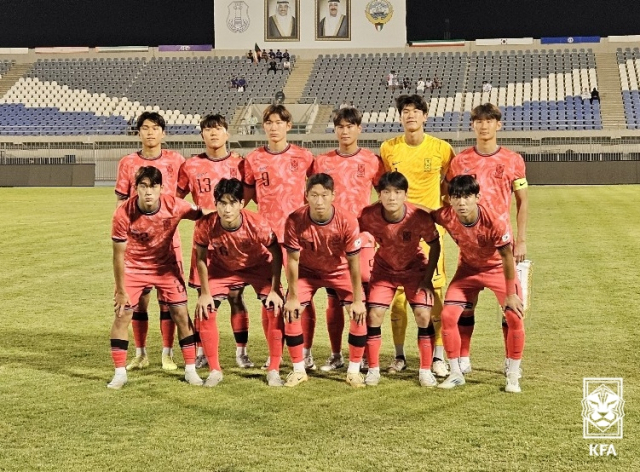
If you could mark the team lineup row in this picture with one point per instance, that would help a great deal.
(328, 242)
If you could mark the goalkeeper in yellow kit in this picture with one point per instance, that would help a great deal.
(424, 161)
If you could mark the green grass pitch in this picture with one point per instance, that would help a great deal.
(56, 288)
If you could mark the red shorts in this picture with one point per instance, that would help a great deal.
(169, 283)
(310, 282)
(467, 283)
(194, 278)
(383, 285)
(259, 277)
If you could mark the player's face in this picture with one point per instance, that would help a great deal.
(215, 137)
(283, 9)
(464, 206)
(333, 8)
(320, 200)
(151, 134)
(347, 133)
(228, 209)
(393, 199)
(276, 128)
(412, 119)
(148, 195)
(486, 129)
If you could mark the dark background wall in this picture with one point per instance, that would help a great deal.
(32, 23)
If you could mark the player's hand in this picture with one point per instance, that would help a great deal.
(204, 306)
(515, 304)
(519, 251)
(358, 312)
(274, 301)
(292, 310)
(120, 303)
(426, 286)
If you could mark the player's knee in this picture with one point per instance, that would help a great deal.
(375, 317)
(423, 316)
(236, 301)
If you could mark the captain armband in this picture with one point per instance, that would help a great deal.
(520, 184)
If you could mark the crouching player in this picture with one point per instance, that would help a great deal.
(143, 256)
(486, 261)
(246, 252)
(398, 226)
(323, 248)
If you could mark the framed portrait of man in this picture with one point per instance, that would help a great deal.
(282, 20)
(333, 20)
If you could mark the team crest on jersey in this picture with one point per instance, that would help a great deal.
(499, 172)
(238, 17)
(482, 240)
(170, 170)
(406, 235)
(166, 224)
(427, 164)
(293, 165)
(233, 173)
(360, 171)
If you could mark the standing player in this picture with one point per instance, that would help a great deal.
(323, 244)
(486, 261)
(399, 226)
(143, 256)
(275, 175)
(500, 173)
(424, 161)
(151, 126)
(199, 175)
(245, 251)
(355, 171)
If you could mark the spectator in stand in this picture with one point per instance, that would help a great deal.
(396, 83)
(390, 78)
(436, 83)
(420, 86)
(272, 55)
(285, 55)
(272, 66)
(595, 95)
(253, 121)
(406, 83)
(250, 56)
(286, 65)
(586, 95)
(242, 84)
(486, 86)
(429, 84)
(279, 55)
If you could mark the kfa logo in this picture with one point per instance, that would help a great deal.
(233, 173)
(406, 235)
(602, 408)
(166, 224)
(360, 171)
(170, 170)
(482, 240)
(602, 450)
(293, 165)
(499, 172)
(238, 17)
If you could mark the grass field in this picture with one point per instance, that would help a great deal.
(56, 289)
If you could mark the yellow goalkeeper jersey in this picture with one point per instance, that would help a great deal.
(424, 166)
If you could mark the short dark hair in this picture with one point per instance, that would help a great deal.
(320, 179)
(149, 172)
(152, 116)
(349, 114)
(280, 110)
(416, 100)
(486, 111)
(231, 187)
(463, 186)
(393, 179)
(213, 121)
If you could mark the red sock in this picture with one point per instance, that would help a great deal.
(167, 328)
(515, 336)
(240, 327)
(466, 324)
(357, 341)
(335, 323)
(294, 338)
(210, 338)
(119, 352)
(450, 331)
(426, 341)
(188, 347)
(274, 340)
(265, 324)
(374, 342)
(308, 320)
(140, 326)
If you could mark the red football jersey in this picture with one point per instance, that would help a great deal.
(236, 249)
(149, 235)
(200, 175)
(323, 247)
(168, 162)
(479, 241)
(279, 179)
(399, 241)
(354, 177)
(495, 173)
